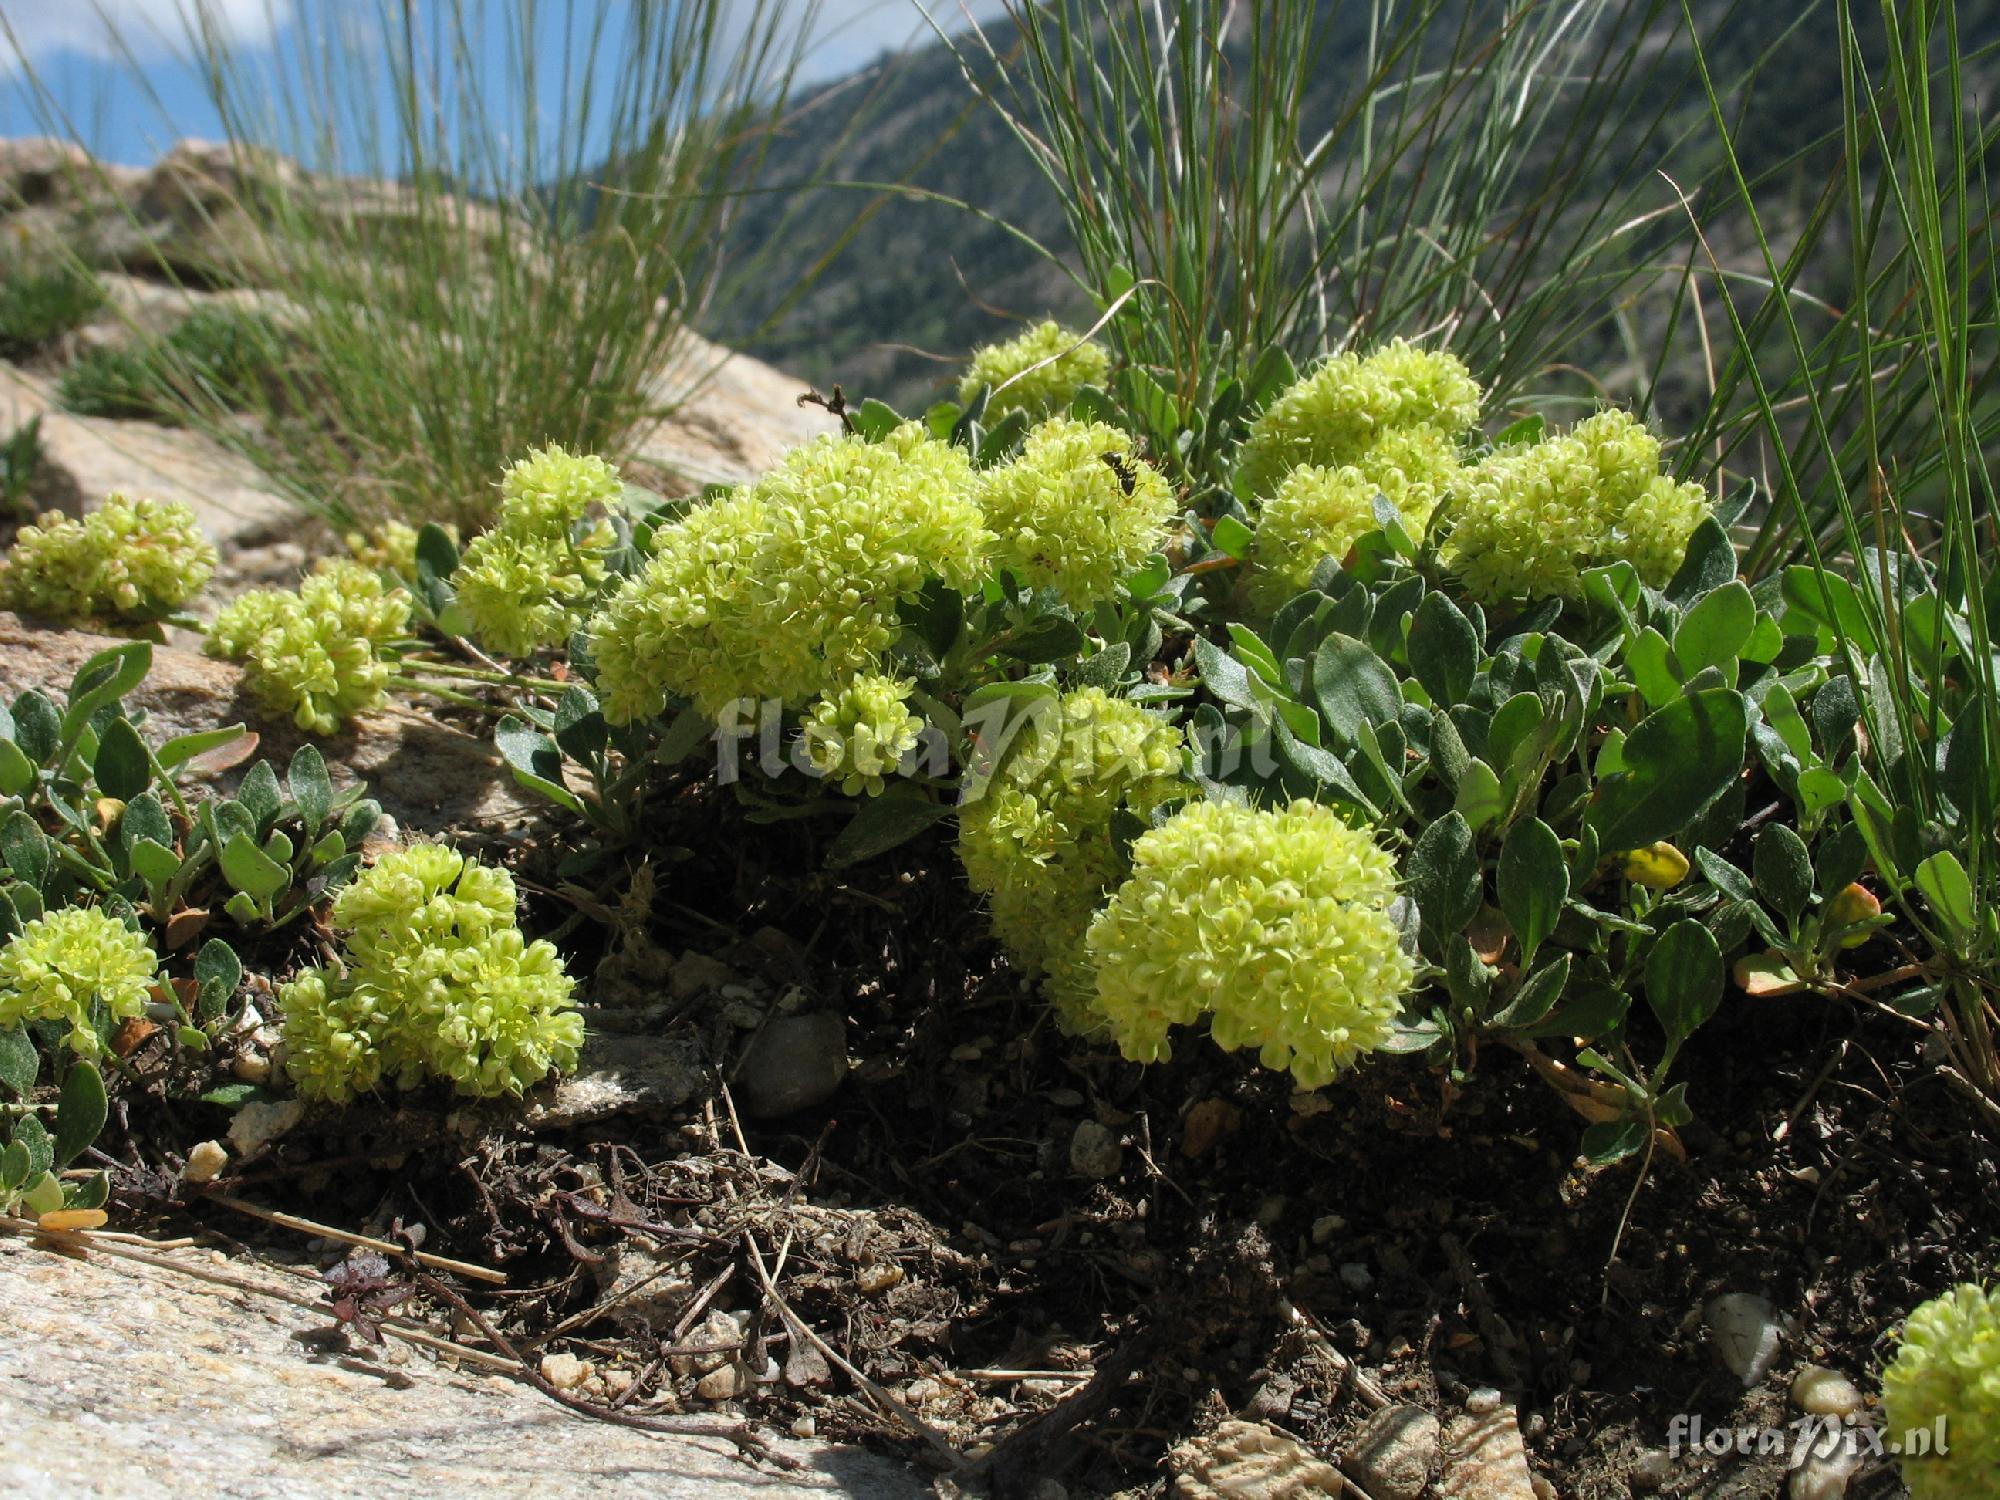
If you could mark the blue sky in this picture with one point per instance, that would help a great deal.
(117, 70)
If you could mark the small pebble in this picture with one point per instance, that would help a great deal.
(1824, 1476)
(261, 1122)
(1326, 1226)
(721, 1383)
(564, 1371)
(1482, 1400)
(878, 1278)
(1651, 1470)
(1825, 1393)
(1355, 1276)
(794, 1063)
(713, 1337)
(1744, 1329)
(205, 1162)
(804, 1427)
(1094, 1151)
(1050, 1489)
(1393, 1453)
(252, 1067)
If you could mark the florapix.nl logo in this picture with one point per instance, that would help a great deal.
(1806, 1438)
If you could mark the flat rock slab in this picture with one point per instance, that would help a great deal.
(86, 458)
(427, 775)
(121, 1379)
(733, 417)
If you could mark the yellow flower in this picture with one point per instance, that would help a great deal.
(1528, 520)
(439, 983)
(1076, 511)
(1008, 369)
(316, 654)
(128, 562)
(1274, 923)
(788, 588)
(65, 965)
(1947, 1373)
(860, 733)
(1038, 842)
(1351, 402)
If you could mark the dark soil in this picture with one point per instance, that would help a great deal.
(1253, 1252)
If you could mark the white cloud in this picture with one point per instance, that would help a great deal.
(107, 29)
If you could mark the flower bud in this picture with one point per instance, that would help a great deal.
(1851, 904)
(1658, 866)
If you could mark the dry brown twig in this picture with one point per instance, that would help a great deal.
(346, 1237)
(747, 1442)
(796, 1326)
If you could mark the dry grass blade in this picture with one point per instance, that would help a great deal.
(347, 1237)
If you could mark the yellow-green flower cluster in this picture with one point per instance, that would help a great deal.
(1074, 362)
(1076, 511)
(439, 984)
(315, 654)
(127, 562)
(1337, 413)
(1318, 512)
(1947, 1368)
(552, 489)
(789, 587)
(1529, 519)
(527, 583)
(1038, 841)
(859, 733)
(390, 548)
(1275, 922)
(63, 966)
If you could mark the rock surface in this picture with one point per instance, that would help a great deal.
(619, 1073)
(171, 240)
(1392, 1456)
(118, 1379)
(1485, 1459)
(1249, 1461)
(428, 776)
(793, 1063)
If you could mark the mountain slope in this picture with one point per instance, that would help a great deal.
(921, 278)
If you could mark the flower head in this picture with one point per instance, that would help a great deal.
(528, 582)
(315, 654)
(1317, 512)
(1528, 520)
(1334, 415)
(1039, 842)
(1074, 362)
(522, 593)
(552, 489)
(789, 587)
(390, 547)
(439, 983)
(66, 964)
(1076, 511)
(859, 733)
(1274, 922)
(1947, 1369)
(128, 562)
